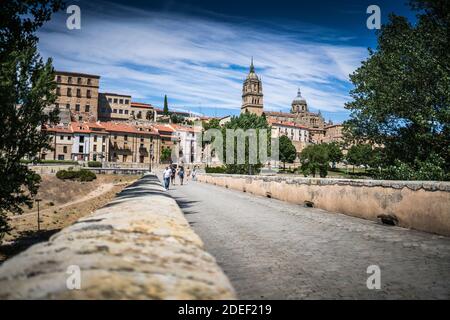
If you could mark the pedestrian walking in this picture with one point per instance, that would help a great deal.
(181, 175)
(188, 173)
(166, 177)
(172, 175)
(194, 174)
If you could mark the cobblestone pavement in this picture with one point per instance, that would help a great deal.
(275, 250)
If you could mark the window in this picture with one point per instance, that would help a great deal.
(61, 137)
(60, 157)
(124, 158)
(80, 118)
(58, 78)
(132, 112)
(95, 148)
(58, 91)
(126, 111)
(125, 138)
(115, 137)
(69, 92)
(121, 101)
(114, 110)
(69, 79)
(142, 139)
(103, 148)
(120, 111)
(79, 93)
(95, 138)
(87, 108)
(79, 80)
(88, 93)
(77, 107)
(81, 139)
(69, 137)
(104, 139)
(94, 157)
(65, 149)
(127, 101)
(80, 149)
(68, 106)
(115, 100)
(109, 100)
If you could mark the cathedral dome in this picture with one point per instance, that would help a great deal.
(299, 99)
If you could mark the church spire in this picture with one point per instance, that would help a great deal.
(252, 68)
(299, 93)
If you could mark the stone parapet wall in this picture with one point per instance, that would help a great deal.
(139, 246)
(420, 205)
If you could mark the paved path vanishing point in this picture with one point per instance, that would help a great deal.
(275, 250)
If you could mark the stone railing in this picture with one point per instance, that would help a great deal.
(139, 246)
(421, 205)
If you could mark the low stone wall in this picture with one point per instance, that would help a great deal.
(419, 205)
(139, 246)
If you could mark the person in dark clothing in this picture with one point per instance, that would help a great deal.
(181, 175)
(172, 176)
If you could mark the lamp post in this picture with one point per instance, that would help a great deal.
(38, 215)
(151, 157)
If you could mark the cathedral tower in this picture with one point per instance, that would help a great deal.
(252, 96)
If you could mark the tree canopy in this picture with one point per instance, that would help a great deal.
(287, 150)
(27, 86)
(401, 95)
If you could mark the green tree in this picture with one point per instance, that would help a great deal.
(360, 155)
(166, 106)
(245, 122)
(315, 158)
(26, 87)
(401, 96)
(287, 151)
(175, 118)
(334, 153)
(166, 153)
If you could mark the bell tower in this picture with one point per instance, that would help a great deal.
(252, 96)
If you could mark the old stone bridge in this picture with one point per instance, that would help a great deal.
(251, 238)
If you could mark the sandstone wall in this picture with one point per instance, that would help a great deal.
(139, 246)
(416, 204)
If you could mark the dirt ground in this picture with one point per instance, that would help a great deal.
(62, 203)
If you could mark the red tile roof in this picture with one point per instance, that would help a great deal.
(287, 124)
(141, 105)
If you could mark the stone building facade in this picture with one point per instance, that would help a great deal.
(113, 106)
(78, 93)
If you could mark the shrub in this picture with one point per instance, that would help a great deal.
(86, 175)
(215, 170)
(94, 164)
(81, 175)
(430, 169)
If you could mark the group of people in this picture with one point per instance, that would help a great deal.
(172, 171)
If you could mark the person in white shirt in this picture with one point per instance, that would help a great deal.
(166, 176)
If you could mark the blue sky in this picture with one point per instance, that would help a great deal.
(198, 52)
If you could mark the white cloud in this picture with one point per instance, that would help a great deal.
(194, 60)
